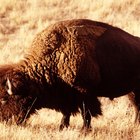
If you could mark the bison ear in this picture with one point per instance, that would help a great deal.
(9, 87)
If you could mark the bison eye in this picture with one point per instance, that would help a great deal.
(3, 83)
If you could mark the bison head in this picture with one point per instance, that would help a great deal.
(16, 98)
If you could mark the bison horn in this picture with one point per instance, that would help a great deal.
(9, 90)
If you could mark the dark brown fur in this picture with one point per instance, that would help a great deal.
(68, 66)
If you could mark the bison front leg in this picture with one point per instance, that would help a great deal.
(64, 121)
(86, 115)
(90, 107)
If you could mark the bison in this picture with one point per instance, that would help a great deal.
(67, 67)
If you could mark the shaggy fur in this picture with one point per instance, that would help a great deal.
(67, 67)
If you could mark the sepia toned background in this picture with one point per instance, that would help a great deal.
(21, 20)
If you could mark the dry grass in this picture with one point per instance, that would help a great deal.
(20, 20)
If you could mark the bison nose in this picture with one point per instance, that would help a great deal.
(3, 101)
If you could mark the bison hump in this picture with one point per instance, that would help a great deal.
(68, 51)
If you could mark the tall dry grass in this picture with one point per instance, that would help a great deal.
(21, 20)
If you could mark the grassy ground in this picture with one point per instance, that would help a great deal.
(21, 20)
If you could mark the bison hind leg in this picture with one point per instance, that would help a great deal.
(135, 99)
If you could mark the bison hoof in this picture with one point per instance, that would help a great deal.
(86, 129)
(62, 126)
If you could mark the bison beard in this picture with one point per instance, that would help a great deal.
(16, 108)
(67, 67)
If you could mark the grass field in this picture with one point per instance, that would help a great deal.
(21, 20)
